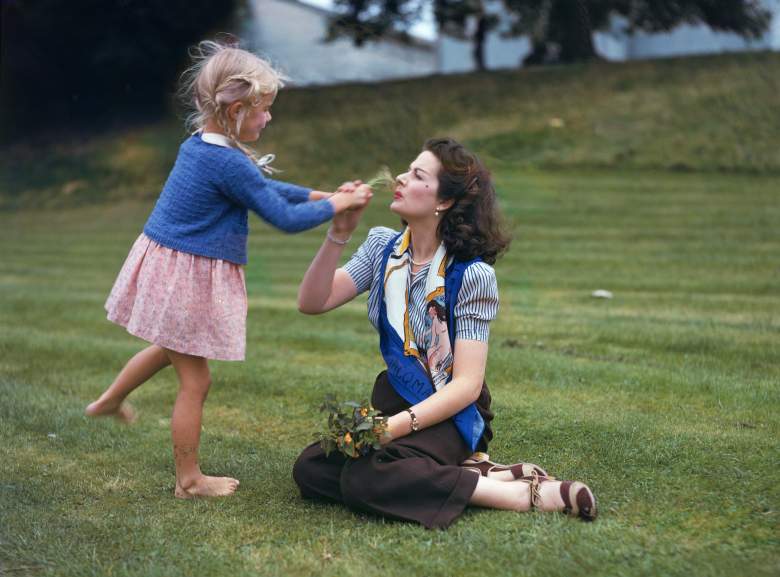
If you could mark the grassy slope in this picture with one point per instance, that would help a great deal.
(713, 114)
(664, 399)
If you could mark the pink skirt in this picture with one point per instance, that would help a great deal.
(187, 303)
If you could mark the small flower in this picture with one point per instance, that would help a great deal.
(347, 438)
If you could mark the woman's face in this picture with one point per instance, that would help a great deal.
(416, 192)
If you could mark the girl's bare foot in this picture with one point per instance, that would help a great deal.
(205, 486)
(123, 412)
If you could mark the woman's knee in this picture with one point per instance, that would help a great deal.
(305, 468)
(300, 471)
(359, 482)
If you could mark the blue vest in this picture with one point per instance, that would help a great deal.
(408, 377)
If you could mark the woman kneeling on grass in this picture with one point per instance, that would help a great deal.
(435, 272)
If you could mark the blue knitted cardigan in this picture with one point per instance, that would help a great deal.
(203, 208)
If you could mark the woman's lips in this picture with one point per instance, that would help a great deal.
(397, 195)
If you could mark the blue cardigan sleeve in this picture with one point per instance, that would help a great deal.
(279, 203)
(292, 192)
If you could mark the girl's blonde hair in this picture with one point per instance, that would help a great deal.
(220, 75)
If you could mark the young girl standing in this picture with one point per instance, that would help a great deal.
(182, 286)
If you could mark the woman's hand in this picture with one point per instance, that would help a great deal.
(398, 425)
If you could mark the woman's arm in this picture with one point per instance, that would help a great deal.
(468, 375)
(324, 286)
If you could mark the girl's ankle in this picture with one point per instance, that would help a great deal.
(189, 480)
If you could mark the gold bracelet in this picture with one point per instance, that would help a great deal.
(415, 422)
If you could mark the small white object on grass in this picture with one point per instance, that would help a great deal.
(52, 436)
(601, 294)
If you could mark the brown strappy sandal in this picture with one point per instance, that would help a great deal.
(481, 463)
(577, 497)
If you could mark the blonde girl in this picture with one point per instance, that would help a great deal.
(182, 287)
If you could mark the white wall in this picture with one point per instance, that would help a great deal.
(455, 55)
(774, 30)
(290, 34)
(686, 39)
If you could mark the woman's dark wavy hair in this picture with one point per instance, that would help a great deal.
(472, 227)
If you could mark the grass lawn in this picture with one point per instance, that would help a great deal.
(664, 399)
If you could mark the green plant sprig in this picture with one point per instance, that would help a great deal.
(352, 428)
(383, 180)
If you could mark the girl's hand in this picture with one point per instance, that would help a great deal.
(361, 197)
(349, 186)
(319, 195)
(346, 221)
(349, 208)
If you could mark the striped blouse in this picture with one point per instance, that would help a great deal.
(477, 300)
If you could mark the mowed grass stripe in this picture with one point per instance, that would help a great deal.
(664, 398)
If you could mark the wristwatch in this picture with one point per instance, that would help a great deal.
(415, 422)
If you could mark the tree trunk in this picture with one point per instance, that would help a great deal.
(570, 27)
(480, 35)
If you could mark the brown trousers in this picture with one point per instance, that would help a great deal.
(414, 478)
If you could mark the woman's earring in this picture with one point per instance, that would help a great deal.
(437, 212)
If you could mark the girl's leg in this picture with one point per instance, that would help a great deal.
(194, 382)
(136, 372)
(515, 495)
